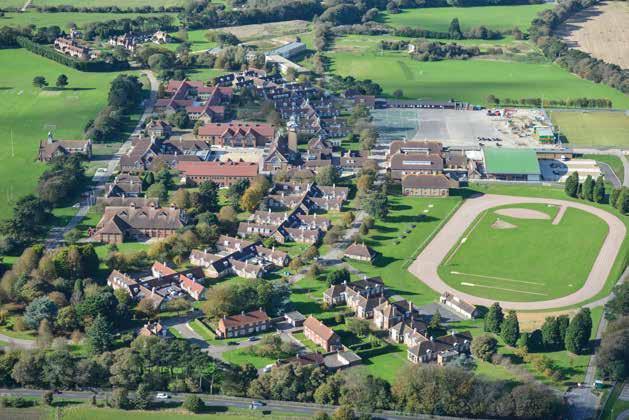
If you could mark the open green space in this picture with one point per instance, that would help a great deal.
(593, 128)
(63, 20)
(410, 224)
(522, 263)
(618, 266)
(245, 355)
(200, 328)
(468, 80)
(492, 17)
(197, 40)
(29, 113)
(103, 3)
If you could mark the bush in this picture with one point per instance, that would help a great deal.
(47, 398)
(484, 347)
(193, 404)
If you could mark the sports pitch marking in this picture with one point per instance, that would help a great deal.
(501, 288)
(495, 278)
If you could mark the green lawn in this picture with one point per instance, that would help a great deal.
(613, 161)
(394, 258)
(199, 328)
(101, 3)
(492, 17)
(468, 80)
(594, 128)
(29, 113)
(64, 19)
(307, 295)
(524, 263)
(244, 356)
(197, 39)
(309, 344)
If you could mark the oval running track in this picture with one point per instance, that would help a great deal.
(426, 265)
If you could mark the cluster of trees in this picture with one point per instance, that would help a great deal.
(66, 8)
(203, 14)
(125, 95)
(612, 357)
(273, 347)
(222, 38)
(575, 61)
(61, 180)
(28, 222)
(253, 195)
(363, 87)
(454, 32)
(41, 82)
(140, 24)
(538, 102)
(227, 299)
(436, 51)
(148, 363)
(111, 64)
(589, 190)
(619, 199)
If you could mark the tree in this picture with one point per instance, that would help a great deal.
(612, 357)
(120, 398)
(493, 319)
(587, 192)
(44, 334)
(510, 329)
(622, 204)
(618, 305)
(613, 197)
(99, 335)
(159, 191)
(39, 309)
(72, 236)
(435, 322)
(47, 398)
(62, 81)
(193, 404)
(398, 93)
(599, 190)
(551, 336)
(251, 198)
(455, 29)
(375, 204)
(142, 399)
(484, 347)
(327, 176)
(368, 138)
(572, 184)
(40, 82)
(358, 327)
(563, 321)
(146, 307)
(578, 332)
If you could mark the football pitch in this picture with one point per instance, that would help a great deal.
(525, 258)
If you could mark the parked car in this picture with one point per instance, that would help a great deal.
(256, 404)
(162, 396)
(268, 368)
(253, 338)
(232, 343)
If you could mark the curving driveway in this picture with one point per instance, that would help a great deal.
(426, 264)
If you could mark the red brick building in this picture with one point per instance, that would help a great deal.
(222, 173)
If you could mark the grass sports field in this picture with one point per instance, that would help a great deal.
(29, 113)
(492, 17)
(593, 128)
(517, 259)
(63, 20)
(469, 80)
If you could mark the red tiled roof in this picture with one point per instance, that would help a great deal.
(319, 328)
(243, 319)
(245, 169)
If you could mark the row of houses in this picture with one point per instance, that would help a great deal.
(75, 48)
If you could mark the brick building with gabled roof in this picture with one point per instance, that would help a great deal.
(119, 223)
(51, 148)
(320, 334)
(243, 324)
(238, 134)
(222, 173)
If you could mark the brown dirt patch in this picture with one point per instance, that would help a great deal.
(521, 213)
(530, 321)
(268, 30)
(601, 30)
(501, 224)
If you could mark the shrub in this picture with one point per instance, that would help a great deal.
(193, 404)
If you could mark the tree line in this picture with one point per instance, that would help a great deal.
(141, 24)
(538, 102)
(66, 8)
(594, 191)
(575, 61)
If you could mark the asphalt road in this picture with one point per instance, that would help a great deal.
(215, 401)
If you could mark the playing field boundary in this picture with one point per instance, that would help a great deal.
(426, 265)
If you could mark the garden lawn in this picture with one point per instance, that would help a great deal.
(197, 39)
(28, 114)
(468, 80)
(498, 18)
(64, 19)
(307, 295)
(582, 128)
(394, 258)
(309, 344)
(243, 356)
(199, 328)
(534, 261)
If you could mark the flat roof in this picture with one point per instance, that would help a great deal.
(511, 161)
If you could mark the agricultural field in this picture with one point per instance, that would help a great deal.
(492, 17)
(468, 80)
(517, 259)
(600, 30)
(593, 128)
(29, 113)
(63, 20)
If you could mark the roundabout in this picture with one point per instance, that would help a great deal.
(526, 253)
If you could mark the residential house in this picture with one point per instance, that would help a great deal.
(248, 323)
(141, 223)
(441, 349)
(458, 306)
(388, 314)
(360, 252)
(200, 102)
(52, 148)
(320, 334)
(158, 129)
(368, 287)
(153, 328)
(237, 134)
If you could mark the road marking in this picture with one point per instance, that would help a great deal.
(501, 288)
(496, 278)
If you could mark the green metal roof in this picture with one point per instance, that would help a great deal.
(500, 160)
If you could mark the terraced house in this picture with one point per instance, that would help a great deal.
(243, 324)
(200, 102)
